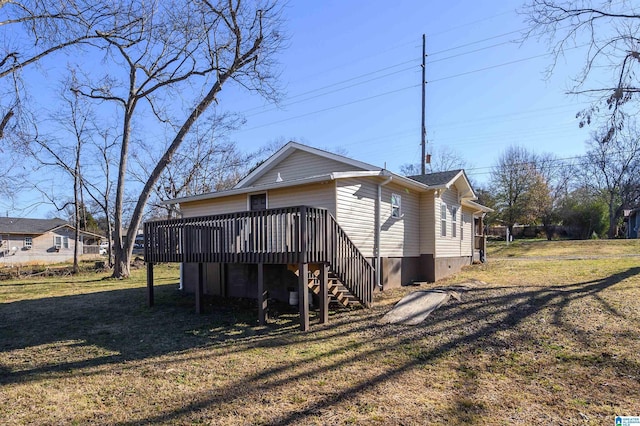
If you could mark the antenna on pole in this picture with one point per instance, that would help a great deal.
(423, 129)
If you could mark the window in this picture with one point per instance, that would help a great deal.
(28, 242)
(61, 242)
(396, 206)
(462, 222)
(454, 222)
(258, 201)
(443, 219)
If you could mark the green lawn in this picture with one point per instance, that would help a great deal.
(535, 341)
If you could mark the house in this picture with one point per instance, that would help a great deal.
(41, 241)
(633, 223)
(305, 217)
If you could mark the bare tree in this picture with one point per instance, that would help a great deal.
(35, 29)
(607, 31)
(201, 165)
(440, 160)
(100, 187)
(613, 170)
(179, 48)
(31, 31)
(65, 156)
(512, 178)
(551, 185)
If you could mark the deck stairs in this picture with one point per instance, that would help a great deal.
(338, 293)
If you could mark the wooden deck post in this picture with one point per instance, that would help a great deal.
(150, 300)
(303, 296)
(324, 293)
(262, 299)
(200, 289)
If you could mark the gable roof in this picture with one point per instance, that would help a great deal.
(438, 178)
(289, 149)
(251, 183)
(17, 225)
(444, 180)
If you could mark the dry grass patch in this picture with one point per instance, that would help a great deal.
(573, 248)
(536, 342)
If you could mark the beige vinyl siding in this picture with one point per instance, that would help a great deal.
(232, 204)
(356, 208)
(318, 195)
(355, 211)
(448, 246)
(429, 222)
(399, 237)
(301, 165)
(467, 232)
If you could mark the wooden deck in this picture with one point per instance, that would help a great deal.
(294, 235)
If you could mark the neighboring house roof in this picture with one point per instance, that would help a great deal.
(16, 225)
(25, 226)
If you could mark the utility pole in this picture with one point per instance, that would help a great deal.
(423, 128)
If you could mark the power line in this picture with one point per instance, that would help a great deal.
(332, 91)
(333, 107)
(357, 77)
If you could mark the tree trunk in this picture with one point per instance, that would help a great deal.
(76, 178)
(121, 265)
(612, 219)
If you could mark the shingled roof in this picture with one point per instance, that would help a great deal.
(17, 225)
(436, 179)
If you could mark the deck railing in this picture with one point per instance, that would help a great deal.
(285, 235)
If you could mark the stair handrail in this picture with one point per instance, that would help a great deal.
(349, 264)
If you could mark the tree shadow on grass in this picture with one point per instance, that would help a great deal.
(485, 315)
(120, 322)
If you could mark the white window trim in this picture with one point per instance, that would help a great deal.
(443, 221)
(28, 242)
(454, 222)
(398, 198)
(266, 196)
(63, 244)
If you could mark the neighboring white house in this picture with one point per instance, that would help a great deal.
(419, 228)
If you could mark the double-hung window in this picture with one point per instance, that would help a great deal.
(443, 220)
(61, 242)
(454, 222)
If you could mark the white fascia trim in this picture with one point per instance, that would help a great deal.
(288, 149)
(249, 189)
(296, 182)
(469, 194)
(479, 207)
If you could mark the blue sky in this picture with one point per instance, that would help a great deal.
(351, 82)
(359, 65)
